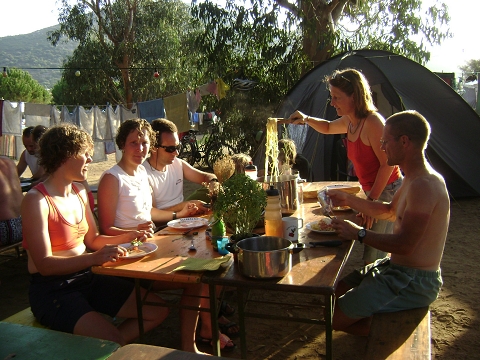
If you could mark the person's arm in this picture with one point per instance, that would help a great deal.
(94, 241)
(181, 210)
(35, 212)
(195, 175)
(374, 129)
(377, 210)
(420, 203)
(338, 126)
(22, 164)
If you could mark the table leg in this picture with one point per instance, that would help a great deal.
(214, 319)
(138, 294)
(241, 322)
(328, 325)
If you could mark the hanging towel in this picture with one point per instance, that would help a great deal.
(176, 111)
(12, 118)
(7, 146)
(222, 89)
(193, 101)
(37, 114)
(153, 109)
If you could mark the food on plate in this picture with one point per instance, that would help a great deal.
(324, 224)
(134, 248)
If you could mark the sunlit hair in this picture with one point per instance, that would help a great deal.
(412, 124)
(134, 125)
(287, 151)
(37, 132)
(60, 143)
(351, 81)
(161, 126)
(240, 160)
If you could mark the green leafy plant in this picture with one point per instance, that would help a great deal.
(240, 202)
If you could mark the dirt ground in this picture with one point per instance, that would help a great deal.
(454, 315)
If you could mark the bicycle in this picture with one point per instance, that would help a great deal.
(210, 148)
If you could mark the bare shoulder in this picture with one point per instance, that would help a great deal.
(7, 164)
(429, 186)
(375, 119)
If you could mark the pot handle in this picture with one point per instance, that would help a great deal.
(231, 248)
(298, 247)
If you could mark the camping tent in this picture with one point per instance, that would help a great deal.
(397, 84)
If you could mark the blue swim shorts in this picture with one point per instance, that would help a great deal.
(386, 287)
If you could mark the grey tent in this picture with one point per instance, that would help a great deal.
(397, 84)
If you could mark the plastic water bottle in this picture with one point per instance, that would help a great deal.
(300, 193)
(273, 214)
(218, 232)
(251, 171)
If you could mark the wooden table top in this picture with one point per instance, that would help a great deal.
(313, 269)
(159, 265)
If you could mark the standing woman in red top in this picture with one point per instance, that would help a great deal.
(358, 118)
(58, 228)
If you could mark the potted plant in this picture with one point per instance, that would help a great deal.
(240, 202)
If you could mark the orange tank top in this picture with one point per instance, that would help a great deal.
(63, 235)
(366, 163)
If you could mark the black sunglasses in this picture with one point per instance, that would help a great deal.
(171, 149)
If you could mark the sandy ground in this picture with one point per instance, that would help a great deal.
(455, 314)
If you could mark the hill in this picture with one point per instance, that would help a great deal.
(35, 54)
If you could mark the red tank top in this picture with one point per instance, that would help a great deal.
(366, 163)
(63, 235)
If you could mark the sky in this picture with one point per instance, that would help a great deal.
(34, 15)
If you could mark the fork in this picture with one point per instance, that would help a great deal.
(328, 212)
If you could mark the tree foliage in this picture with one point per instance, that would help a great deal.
(20, 86)
(121, 44)
(472, 67)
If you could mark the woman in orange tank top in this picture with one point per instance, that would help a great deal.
(58, 227)
(363, 124)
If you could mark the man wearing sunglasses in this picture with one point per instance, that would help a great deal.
(166, 173)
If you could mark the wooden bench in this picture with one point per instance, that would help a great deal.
(4, 248)
(400, 335)
(24, 317)
(28, 342)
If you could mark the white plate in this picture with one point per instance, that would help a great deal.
(309, 227)
(188, 223)
(145, 249)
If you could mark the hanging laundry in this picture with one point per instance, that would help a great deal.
(222, 89)
(176, 111)
(192, 101)
(153, 109)
(37, 114)
(243, 84)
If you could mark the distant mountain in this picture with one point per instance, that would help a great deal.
(35, 51)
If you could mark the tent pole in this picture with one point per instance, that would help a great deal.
(478, 97)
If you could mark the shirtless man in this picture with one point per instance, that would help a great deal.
(420, 210)
(11, 195)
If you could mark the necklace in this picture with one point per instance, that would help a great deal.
(356, 127)
(153, 167)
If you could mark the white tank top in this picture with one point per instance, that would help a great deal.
(167, 186)
(32, 162)
(134, 197)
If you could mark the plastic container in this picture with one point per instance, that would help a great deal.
(251, 171)
(218, 232)
(273, 214)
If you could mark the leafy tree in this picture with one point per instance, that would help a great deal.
(471, 68)
(121, 43)
(20, 86)
(327, 27)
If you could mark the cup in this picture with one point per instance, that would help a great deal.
(291, 225)
(221, 245)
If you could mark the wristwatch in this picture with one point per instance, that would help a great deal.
(360, 235)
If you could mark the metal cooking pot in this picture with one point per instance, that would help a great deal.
(287, 188)
(264, 256)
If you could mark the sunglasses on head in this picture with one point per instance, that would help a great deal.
(171, 149)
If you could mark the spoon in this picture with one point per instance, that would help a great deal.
(192, 247)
